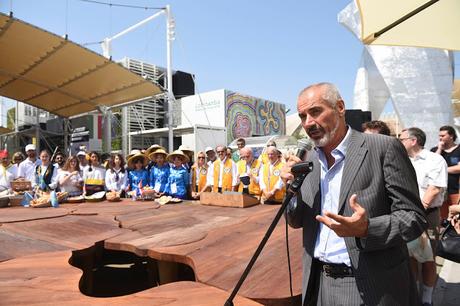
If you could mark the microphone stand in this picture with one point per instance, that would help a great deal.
(291, 190)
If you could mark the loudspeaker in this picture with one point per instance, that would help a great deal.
(356, 117)
(183, 84)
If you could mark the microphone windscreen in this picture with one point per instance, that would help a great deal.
(305, 143)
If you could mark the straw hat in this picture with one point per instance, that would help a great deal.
(136, 157)
(158, 151)
(179, 153)
(132, 153)
(153, 148)
(185, 149)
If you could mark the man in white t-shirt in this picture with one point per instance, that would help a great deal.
(210, 159)
(431, 171)
(26, 168)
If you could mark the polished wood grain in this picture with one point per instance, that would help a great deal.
(48, 279)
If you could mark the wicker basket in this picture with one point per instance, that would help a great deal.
(148, 194)
(21, 185)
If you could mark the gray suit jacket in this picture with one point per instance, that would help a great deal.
(379, 171)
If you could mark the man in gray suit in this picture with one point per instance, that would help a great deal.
(358, 208)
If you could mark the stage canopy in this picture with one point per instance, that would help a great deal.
(417, 23)
(50, 72)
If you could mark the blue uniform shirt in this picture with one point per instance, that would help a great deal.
(136, 176)
(159, 177)
(178, 182)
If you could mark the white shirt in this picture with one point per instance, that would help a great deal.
(279, 184)
(97, 173)
(53, 184)
(13, 169)
(329, 247)
(73, 184)
(431, 170)
(5, 179)
(110, 180)
(26, 169)
(210, 175)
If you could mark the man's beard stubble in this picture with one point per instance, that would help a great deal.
(327, 136)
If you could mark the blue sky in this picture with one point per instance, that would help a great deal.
(268, 49)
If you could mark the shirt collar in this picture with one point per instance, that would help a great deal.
(343, 145)
(421, 155)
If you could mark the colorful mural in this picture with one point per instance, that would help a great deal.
(248, 116)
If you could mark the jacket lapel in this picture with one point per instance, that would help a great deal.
(356, 152)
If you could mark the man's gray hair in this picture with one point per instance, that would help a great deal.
(331, 93)
(417, 134)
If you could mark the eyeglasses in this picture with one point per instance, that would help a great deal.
(220, 152)
(200, 157)
(402, 139)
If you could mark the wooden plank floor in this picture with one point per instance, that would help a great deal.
(216, 242)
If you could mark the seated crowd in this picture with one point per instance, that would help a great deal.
(180, 174)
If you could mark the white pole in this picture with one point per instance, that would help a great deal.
(107, 131)
(37, 132)
(124, 130)
(169, 39)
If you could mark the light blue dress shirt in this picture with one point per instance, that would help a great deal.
(329, 247)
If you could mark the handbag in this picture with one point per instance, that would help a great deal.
(449, 244)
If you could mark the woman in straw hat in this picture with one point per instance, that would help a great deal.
(138, 176)
(189, 153)
(179, 179)
(151, 150)
(159, 173)
(199, 173)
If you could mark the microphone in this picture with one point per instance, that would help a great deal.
(302, 169)
(304, 145)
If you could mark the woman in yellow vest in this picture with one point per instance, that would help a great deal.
(199, 173)
(271, 184)
(225, 173)
(250, 167)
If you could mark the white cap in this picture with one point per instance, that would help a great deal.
(208, 149)
(30, 147)
(80, 153)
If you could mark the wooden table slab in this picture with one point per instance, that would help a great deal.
(216, 242)
(48, 279)
(16, 245)
(72, 232)
(19, 213)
